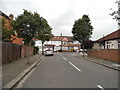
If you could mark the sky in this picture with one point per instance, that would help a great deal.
(61, 14)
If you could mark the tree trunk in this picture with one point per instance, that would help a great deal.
(28, 54)
(83, 51)
(83, 48)
(42, 48)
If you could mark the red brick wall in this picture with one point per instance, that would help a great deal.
(108, 54)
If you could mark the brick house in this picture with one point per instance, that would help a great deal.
(110, 41)
(107, 47)
(64, 43)
(8, 20)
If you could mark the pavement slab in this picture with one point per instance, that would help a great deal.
(12, 70)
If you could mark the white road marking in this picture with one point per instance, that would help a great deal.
(75, 67)
(99, 86)
(64, 58)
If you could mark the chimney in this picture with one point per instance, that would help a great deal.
(11, 17)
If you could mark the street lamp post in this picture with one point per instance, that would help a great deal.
(28, 45)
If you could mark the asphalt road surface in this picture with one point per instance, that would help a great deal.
(64, 70)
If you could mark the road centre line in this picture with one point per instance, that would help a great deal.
(64, 58)
(75, 67)
(99, 86)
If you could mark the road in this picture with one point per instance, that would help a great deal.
(64, 70)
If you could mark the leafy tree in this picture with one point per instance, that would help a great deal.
(32, 43)
(116, 14)
(82, 30)
(88, 44)
(36, 49)
(26, 25)
(29, 26)
(44, 32)
(6, 34)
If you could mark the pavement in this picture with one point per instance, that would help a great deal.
(106, 63)
(12, 70)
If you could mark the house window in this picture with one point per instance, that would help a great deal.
(70, 42)
(57, 42)
(108, 45)
(65, 43)
(118, 44)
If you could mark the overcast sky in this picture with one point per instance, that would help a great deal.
(61, 14)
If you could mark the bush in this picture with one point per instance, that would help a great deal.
(72, 50)
(36, 49)
(60, 50)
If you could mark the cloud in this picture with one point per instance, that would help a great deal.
(61, 14)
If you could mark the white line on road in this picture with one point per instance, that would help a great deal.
(64, 58)
(99, 86)
(75, 67)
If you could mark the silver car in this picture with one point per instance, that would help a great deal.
(49, 52)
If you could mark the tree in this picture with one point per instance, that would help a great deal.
(44, 32)
(82, 30)
(88, 44)
(6, 34)
(116, 14)
(26, 25)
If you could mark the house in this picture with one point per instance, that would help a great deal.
(64, 43)
(107, 47)
(8, 20)
(110, 41)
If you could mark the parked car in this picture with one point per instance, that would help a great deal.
(49, 53)
(54, 50)
(81, 50)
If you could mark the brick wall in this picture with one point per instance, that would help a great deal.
(108, 54)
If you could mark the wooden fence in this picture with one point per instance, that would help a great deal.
(12, 52)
